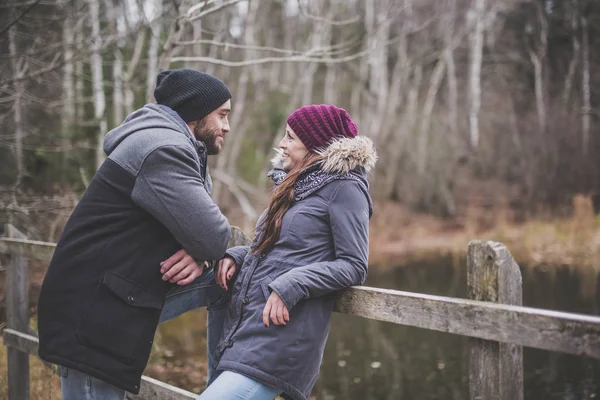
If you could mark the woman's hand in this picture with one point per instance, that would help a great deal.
(225, 271)
(181, 268)
(275, 310)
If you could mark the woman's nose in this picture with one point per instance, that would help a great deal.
(282, 143)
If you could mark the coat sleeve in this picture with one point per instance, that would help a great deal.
(238, 253)
(169, 187)
(349, 221)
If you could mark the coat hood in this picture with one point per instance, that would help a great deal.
(151, 116)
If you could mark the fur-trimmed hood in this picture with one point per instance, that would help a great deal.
(343, 155)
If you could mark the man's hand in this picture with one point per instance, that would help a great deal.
(225, 271)
(181, 268)
(275, 310)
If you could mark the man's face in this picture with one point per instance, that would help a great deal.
(212, 128)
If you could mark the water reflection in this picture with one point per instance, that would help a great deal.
(367, 359)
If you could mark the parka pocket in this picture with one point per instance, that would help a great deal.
(122, 317)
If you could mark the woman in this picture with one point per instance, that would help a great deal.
(311, 241)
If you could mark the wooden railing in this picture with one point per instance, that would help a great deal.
(492, 318)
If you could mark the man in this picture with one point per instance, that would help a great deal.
(105, 288)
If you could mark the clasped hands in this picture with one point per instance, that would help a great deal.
(181, 269)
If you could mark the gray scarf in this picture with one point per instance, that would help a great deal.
(311, 179)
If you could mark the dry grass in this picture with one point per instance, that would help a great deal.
(398, 237)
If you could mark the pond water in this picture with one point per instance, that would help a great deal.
(367, 359)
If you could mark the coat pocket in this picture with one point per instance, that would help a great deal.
(122, 317)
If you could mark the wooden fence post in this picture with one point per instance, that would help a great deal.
(17, 318)
(495, 368)
(238, 238)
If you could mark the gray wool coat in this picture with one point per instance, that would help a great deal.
(322, 248)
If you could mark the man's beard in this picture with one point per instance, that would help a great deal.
(208, 136)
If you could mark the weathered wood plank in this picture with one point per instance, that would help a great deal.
(549, 330)
(510, 291)
(495, 368)
(484, 355)
(27, 248)
(151, 389)
(21, 341)
(524, 326)
(17, 317)
(44, 250)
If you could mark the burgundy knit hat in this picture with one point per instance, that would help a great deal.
(318, 125)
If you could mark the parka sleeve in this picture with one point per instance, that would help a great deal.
(349, 221)
(238, 253)
(169, 187)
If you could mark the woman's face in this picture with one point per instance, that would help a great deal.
(294, 150)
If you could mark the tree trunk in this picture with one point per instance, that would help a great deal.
(434, 85)
(539, 91)
(537, 59)
(329, 91)
(408, 122)
(378, 21)
(118, 94)
(475, 71)
(79, 79)
(576, 54)
(451, 71)
(155, 32)
(18, 70)
(174, 36)
(585, 86)
(137, 52)
(98, 81)
(227, 161)
(195, 50)
(68, 95)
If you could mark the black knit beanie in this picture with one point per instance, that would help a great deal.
(192, 94)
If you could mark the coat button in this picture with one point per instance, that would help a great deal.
(246, 300)
(229, 343)
(130, 299)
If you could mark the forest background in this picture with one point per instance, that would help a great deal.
(485, 113)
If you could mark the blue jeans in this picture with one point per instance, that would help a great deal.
(203, 292)
(233, 386)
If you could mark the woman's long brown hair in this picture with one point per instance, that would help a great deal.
(282, 199)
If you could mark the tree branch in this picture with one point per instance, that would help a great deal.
(6, 28)
(203, 13)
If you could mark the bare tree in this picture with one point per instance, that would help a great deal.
(477, 15)
(538, 57)
(155, 32)
(585, 86)
(451, 68)
(19, 67)
(98, 80)
(574, 9)
(68, 106)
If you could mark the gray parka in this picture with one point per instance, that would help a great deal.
(323, 247)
